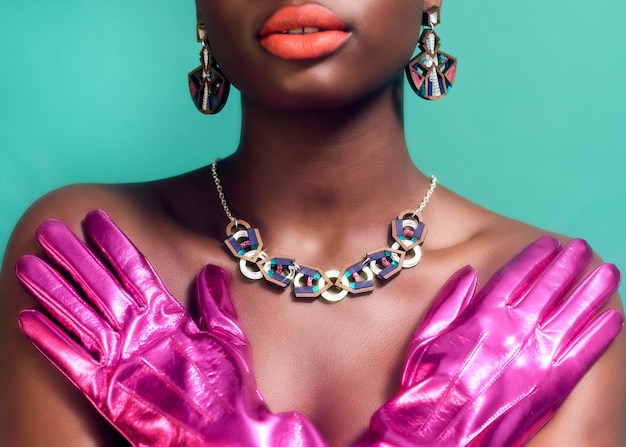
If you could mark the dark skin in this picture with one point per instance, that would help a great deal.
(322, 152)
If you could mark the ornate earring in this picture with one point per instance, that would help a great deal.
(207, 84)
(431, 74)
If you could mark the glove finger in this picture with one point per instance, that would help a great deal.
(217, 313)
(65, 354)
(573, 313)
(99, 285)
(565, 371)
(451, 301)
(579, 355)
(556, 279)
(514, 279)
(62, 302)
(131, 266)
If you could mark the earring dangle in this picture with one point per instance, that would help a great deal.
(431, 73)
(207, 84)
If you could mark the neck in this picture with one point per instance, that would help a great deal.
(349, 161)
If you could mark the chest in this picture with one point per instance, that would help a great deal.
(334, 363)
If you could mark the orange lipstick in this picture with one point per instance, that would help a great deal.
(303, 32)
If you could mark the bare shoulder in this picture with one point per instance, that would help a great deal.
(593, 413)
(39, 407)
(486, 239)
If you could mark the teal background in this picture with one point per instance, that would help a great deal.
(96, 92)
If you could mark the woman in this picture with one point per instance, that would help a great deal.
(321, 169)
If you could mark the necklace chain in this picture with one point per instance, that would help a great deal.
(429, 193)
(220, 190)
(245, 243)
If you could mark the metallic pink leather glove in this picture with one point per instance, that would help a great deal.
(513, 353)
(120, 337)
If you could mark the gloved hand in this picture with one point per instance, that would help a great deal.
(120, 337)
(490, 370)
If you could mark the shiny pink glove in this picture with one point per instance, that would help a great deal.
(499, 371)
(120, 337)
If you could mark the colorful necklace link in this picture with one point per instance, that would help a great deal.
(244, 242)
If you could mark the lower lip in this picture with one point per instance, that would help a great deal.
(304, 46)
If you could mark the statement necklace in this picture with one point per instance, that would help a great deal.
(244, 242)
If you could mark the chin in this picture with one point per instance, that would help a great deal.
(313, 103)
(319, 96)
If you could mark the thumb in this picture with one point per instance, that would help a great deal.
(450, 302)
(216, 310)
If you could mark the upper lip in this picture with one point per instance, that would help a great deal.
(298, 19)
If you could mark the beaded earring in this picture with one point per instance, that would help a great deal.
(207, 84)
(431, 73)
